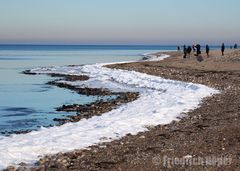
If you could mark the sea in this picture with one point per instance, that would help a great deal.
(27, 102)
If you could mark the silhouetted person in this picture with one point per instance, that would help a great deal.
(184, 51)
(198, 48)
(223, 49)
(207, 50)
(235, 46)
(178, 48)
(193, 48)
(189, 50)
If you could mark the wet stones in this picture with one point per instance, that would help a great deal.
(63, 76)
(70, 77)
(83, 91)
(95, 109)
(10, 168)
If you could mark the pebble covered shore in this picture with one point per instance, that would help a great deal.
(210, 130)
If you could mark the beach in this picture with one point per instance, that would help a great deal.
(211, 130)
(119, 85)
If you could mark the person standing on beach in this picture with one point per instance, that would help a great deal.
(178, 48)
(223, 49)
(198, 47)
(193, 48)
(189, 50)
(184, 51)
(207, 50)
(235, 46)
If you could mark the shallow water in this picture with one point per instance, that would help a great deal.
(26, 102)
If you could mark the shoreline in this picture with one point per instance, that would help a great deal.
(144, 135)
(123, 97)
(84, 111)
(203, 129)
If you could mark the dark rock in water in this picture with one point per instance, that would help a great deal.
(64, 76)
(75, 65)
(76, 78)
(145, 58)
(84, 91)
(28, 72)
(8, 133)
(70, 77)
(94, 109)
(22, 132)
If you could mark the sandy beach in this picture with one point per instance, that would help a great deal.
(119, 85)
(211, 131)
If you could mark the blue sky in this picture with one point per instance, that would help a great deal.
(119, 21)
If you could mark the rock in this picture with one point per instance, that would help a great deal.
(22, 164)
(28, 72)
(10, 168)
(23, 168)
(40, 168)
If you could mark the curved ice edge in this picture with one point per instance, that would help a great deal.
(153, 107)
(153, 57)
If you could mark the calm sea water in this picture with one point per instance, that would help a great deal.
(26, 102)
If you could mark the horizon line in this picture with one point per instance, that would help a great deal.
(33, 44)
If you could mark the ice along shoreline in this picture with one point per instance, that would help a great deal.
(161, 101)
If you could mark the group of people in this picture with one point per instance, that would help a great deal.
(197, 48)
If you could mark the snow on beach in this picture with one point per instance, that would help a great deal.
(161, 101)
(152, 56)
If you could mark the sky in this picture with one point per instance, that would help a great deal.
(119, 21)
